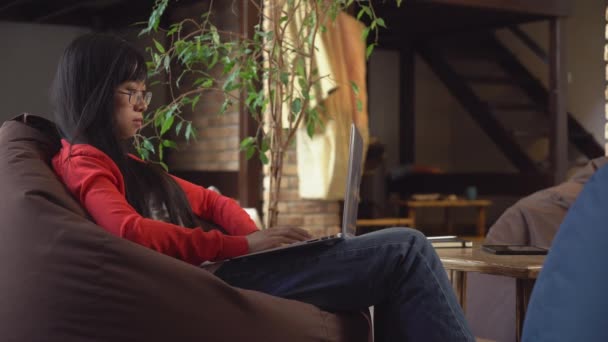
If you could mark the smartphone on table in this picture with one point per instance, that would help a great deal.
(514, 249)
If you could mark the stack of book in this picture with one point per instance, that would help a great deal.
(449, 242)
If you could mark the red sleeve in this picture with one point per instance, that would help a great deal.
(99, 191)
(219, 209)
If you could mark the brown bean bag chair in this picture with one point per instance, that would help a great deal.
(66, 279)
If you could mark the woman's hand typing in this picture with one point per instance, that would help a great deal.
(275, 237)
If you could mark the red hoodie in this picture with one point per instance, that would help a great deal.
(95, 180)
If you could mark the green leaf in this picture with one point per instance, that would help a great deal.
(310, 129)
(160, 151)
(399, 3)
(355, 87)
(144, 154)
(365, 34)
(189, 132)
(203, 82)
(284, 78)
(302, 82)
(195, 101)
(380, 22)
(215, 37)
(367, 11)
(247, 142)
(263, 158)
(169, 144)
(174, 28)
(178, 127)
(250, 151)
(167, 62)
(369, 51)
(167, 125)
(154, 19)
(159, 114)
(296, 106)
(361, 12)
(359, 105)
(300, 68)
(214, 59)
(228, 87)
(159, 46)
(265, 145)
(164, 166)
(148, 146)
(227, 103)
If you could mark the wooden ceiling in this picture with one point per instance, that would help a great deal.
(423, 19)
(415, 16)
(96, 14)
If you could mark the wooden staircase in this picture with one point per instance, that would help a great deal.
(526, 122)
(505, 100)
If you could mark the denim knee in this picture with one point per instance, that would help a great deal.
(401, 234)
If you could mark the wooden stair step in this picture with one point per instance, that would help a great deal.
(514, 106)
(542, 132)
(488, 79)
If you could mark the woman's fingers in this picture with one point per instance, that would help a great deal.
(275, 237)
(296, 233)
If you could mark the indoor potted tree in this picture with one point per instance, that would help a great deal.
(272, 70)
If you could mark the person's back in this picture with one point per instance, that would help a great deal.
(533, 220)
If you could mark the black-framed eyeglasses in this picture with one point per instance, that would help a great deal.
(136, 96)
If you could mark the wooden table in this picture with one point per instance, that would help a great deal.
(524, 268)
(386, 222)
(447, 205)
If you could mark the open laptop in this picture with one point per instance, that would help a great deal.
(351, 202)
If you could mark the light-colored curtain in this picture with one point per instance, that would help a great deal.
(322, 160)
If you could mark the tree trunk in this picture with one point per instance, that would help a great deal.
(276, 171)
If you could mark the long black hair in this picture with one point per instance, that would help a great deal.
(88, 74)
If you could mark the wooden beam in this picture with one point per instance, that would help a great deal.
(407, 117)
(557, 101)
(529, 42)
(250, 171)
(553, 8)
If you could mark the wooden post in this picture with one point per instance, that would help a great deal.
(523, 289)
(250, 171)
(558, 153)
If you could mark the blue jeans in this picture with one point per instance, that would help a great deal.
(395, 270)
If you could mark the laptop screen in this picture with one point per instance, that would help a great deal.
(353, 180)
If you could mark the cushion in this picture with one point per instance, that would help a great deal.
(569, 301)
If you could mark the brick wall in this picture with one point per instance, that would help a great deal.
(317, 216)
(217, 146)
